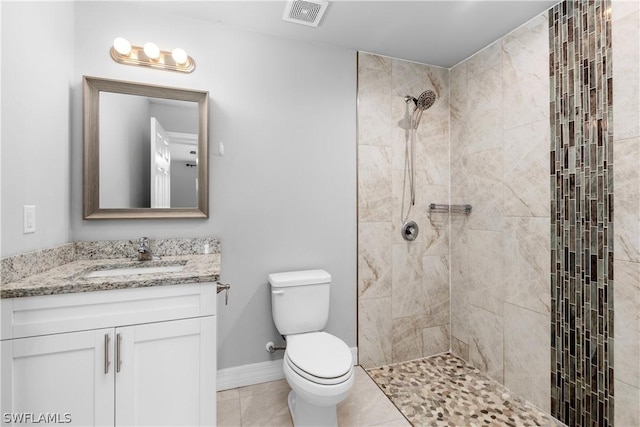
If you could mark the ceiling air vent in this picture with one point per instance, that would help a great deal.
(305, 12)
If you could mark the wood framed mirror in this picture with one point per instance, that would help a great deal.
(145, 151)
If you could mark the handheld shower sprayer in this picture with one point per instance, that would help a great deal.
(421, 103)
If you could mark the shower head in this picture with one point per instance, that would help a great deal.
(423, 102)
(426, 99)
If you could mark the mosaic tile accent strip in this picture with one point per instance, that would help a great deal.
(444, 390)
(581, 213)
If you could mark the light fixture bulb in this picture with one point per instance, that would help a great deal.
(152, 50)
(179, 55)
(122, 46)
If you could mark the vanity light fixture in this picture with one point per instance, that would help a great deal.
(150, 55)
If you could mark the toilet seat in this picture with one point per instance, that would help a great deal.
(319, 357)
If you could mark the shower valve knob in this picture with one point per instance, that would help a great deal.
(410, 231)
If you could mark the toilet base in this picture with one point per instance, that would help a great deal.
(305, 414)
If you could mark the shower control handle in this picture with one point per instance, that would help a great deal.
(410, 230)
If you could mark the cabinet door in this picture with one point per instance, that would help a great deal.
(167, 373)
(63, 378)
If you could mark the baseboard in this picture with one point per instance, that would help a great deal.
(256, 373)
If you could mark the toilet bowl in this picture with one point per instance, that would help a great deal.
(317, 365)
(319, 370)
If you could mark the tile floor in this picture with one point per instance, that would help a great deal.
(266, 405)
(438, 391)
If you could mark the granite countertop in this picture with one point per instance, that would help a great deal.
(70, 277)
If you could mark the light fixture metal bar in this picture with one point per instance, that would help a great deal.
(164, 62)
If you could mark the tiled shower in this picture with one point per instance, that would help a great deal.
(488, 286)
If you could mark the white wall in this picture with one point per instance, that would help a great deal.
(125, 160)
(284, 195)
(37, 72)
(183, 184)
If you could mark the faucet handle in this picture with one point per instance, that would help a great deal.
(143, 240)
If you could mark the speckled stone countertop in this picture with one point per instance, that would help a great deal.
(63, 269)
(70, 277)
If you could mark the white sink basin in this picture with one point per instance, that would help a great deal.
(129, 271)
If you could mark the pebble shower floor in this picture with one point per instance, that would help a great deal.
(444, 390)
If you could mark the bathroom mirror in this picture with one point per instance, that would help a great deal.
(145, 151)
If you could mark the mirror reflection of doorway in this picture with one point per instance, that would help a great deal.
(174, 167)
(184, 169)
(160, 166)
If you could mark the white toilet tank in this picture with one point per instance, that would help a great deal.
(300, 300)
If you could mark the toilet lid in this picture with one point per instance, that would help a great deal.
(319, 354)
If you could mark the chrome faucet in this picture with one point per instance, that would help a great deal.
(144, 250)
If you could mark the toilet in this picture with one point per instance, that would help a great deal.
(318, 366)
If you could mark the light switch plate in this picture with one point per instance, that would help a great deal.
(29, 219)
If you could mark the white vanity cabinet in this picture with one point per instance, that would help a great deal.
(143, 356)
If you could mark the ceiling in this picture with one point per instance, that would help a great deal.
(440, 33)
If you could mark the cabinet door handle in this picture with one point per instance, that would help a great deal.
(106, 354)
(118, 343)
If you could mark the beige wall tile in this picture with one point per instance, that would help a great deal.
(374, 107)
(374, 183)
(626, 159)
(622, 8)
(374, 332)
(383, 187)
(485, 190)
(486, 265)
(487, 58)
(625, 34)
(482, 123)
(627, 401)
(525, 65)
(407, 338)
(460, 280)
(626, 132)
(526, 245)
(459, 348)
(627, 322)
(526, 170)
(407, 280)
(527, 366)
(374, 259)
(371, 61)
(436, 289)
(485, 342)
(435, 340)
